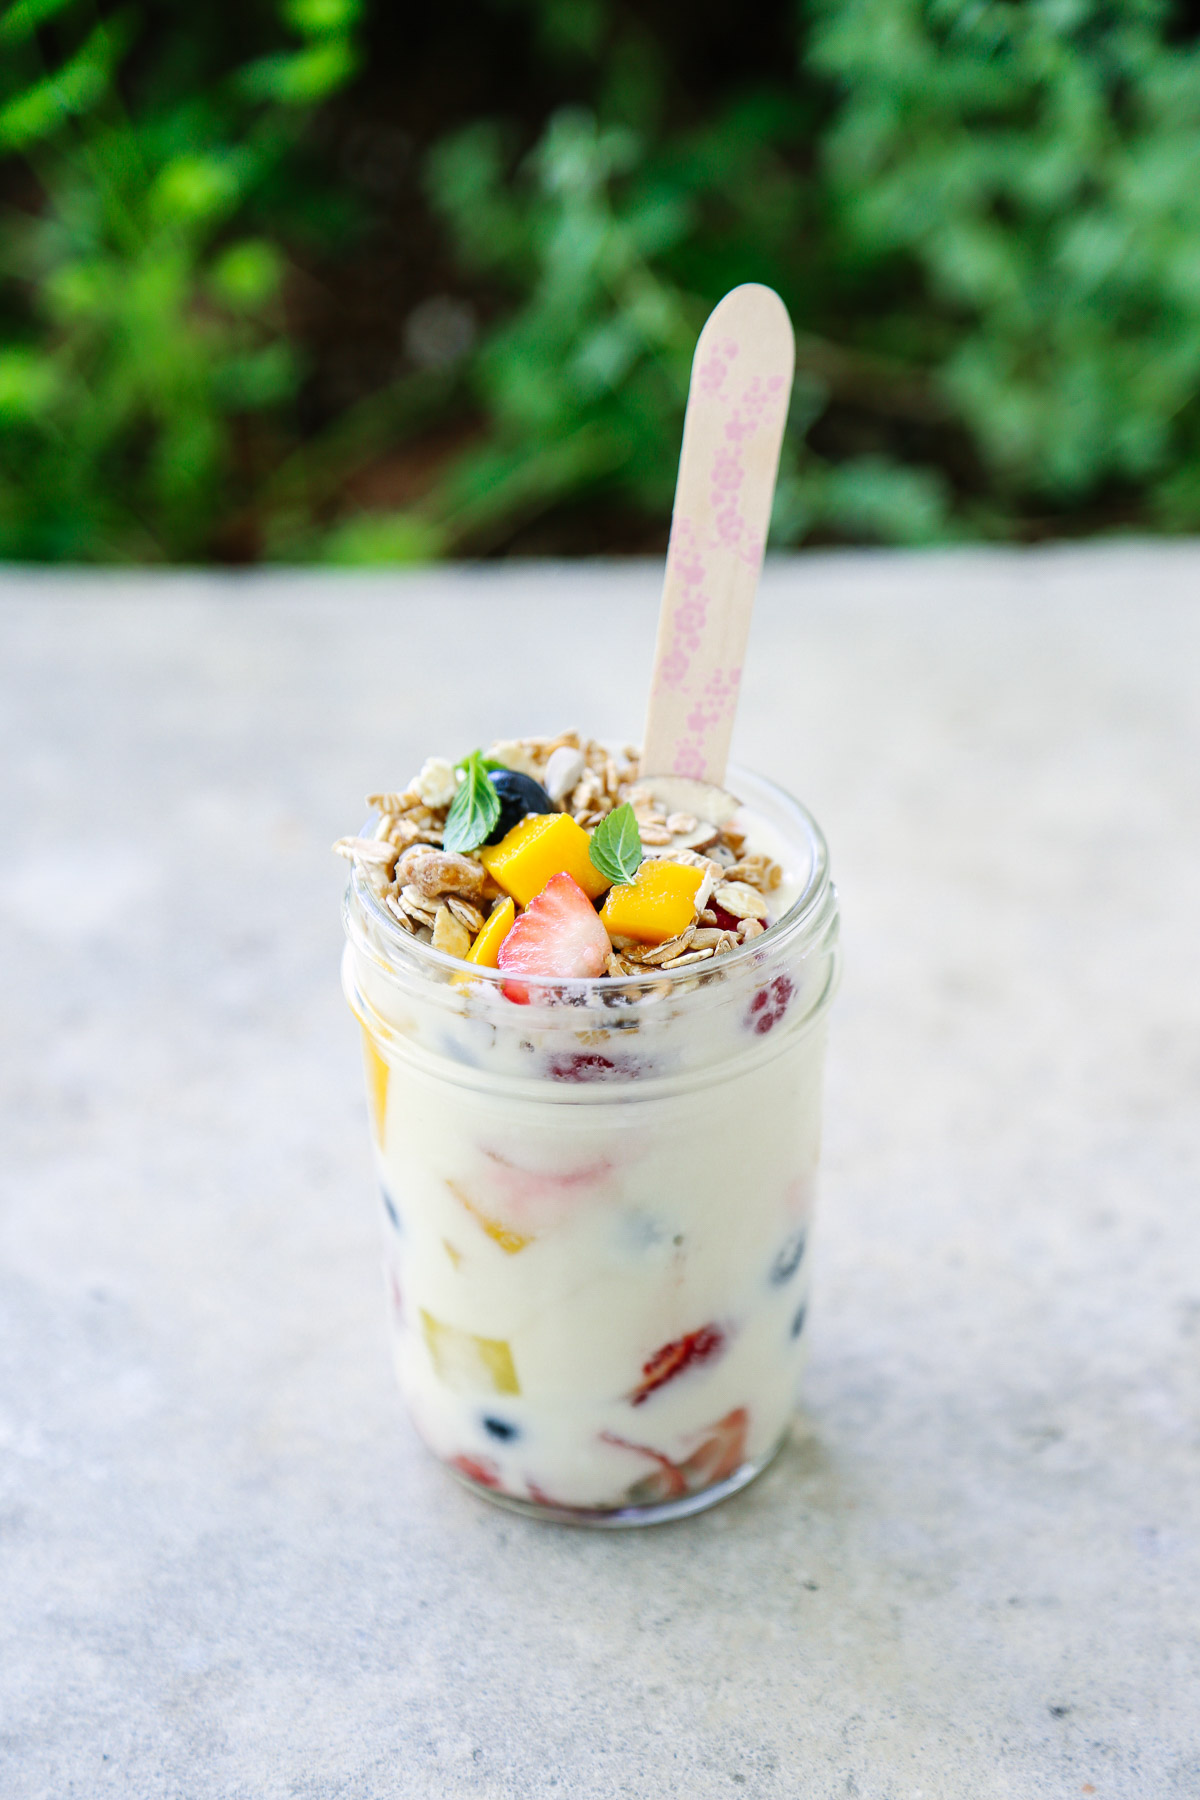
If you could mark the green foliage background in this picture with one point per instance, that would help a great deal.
(311, 280)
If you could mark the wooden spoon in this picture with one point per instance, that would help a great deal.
(737, 406)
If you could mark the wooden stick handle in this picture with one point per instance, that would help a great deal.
(732, 432)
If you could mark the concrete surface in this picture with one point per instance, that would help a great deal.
(229, 1570)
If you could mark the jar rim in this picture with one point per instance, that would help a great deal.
(423, 961)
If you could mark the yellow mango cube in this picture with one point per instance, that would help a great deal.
(466, 1363)
(656, 905)
(542, 845)
(377, 1086)
(486, 949)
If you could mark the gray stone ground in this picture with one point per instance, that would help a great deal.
(229, 1570)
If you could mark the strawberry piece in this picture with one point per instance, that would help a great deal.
(581, 1065)
(667, 1483)
(721, 1455)
(557, 934)
(540, 1495)
(394, 1294)
(476, 1469)
(674, 1358)
(769, 1004)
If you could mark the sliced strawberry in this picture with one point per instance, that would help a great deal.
(674, 1358)
(586, 1065)
(720, 1455)
(477, 1469)
(557, 934)
(769, 1004)
(540, 1495)
(667, 1483)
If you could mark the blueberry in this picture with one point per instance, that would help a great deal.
(798, 1322)
(788, 1260)
(519, 794)
(389, 1206)
(500, 1428)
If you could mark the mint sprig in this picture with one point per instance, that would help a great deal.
(474, 808)
(616, 845)
(489, 763)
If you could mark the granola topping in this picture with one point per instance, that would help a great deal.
(436, 783)
(443, 897)
(447, 872)
(740, 899)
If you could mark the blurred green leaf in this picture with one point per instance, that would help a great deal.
(258, 378)
(322, 18)
(884, 503)
(43, 107)
(19, 21)
(195, 187)
(247, 276)
(29, 384)
(371, 539)
(80, 291)
(300, 77)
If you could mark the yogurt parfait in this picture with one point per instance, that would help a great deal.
(593, 1005)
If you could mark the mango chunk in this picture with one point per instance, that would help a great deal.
(485, 951)
(377, 1086)
(655, 905)
(486, 948)
(509, 1241)
(542, 845)
(467, 1363)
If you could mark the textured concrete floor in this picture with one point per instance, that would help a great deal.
(228, 1569)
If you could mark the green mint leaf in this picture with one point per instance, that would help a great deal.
(474, 808)
(489, 763)
(616, 846)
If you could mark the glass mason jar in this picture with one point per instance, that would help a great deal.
(597, 1205)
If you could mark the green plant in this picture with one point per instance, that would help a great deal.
(996, 254)
(984, 216)
(1039, 165)
(582, 383)
(143, 308)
